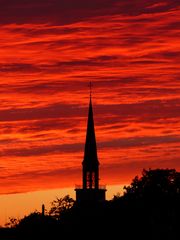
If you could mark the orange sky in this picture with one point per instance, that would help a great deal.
(49, 51)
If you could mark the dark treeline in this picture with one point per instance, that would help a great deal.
(149, 209)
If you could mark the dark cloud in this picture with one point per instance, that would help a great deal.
(18, 67)
(68, 11)
(51, 111)
(61, 66)
(38, 173)
(62, 12)
(143, 111)
(140, 141)
(43, 150)
(46, 125)
(7, 141)
(132, 142)
(43, 87)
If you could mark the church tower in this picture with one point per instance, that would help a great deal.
(90, 191)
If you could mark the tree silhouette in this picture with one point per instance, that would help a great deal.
(36, 226)
(35, 220)
(149, 209)
(60, 206)
(13, 223)
(158, 183)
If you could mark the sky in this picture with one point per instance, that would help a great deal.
(49, 52)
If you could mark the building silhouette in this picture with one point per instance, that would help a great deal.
(90, 191)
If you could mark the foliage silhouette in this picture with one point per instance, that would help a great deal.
(150, 205)
(149, 209)
(13, 223)
(61, 206)
(155, 183)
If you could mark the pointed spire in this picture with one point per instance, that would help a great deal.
(90, 153)
(90, 89)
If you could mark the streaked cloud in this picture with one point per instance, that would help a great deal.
(49, 52)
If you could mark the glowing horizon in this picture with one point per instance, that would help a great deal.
(32, 201)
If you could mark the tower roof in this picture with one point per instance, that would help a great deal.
(90, 151)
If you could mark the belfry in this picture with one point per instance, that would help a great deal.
(90, 191)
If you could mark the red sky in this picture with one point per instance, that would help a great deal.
(49, 51)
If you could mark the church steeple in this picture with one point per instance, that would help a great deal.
(90, 162)
(90, 151)
(90, 191)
